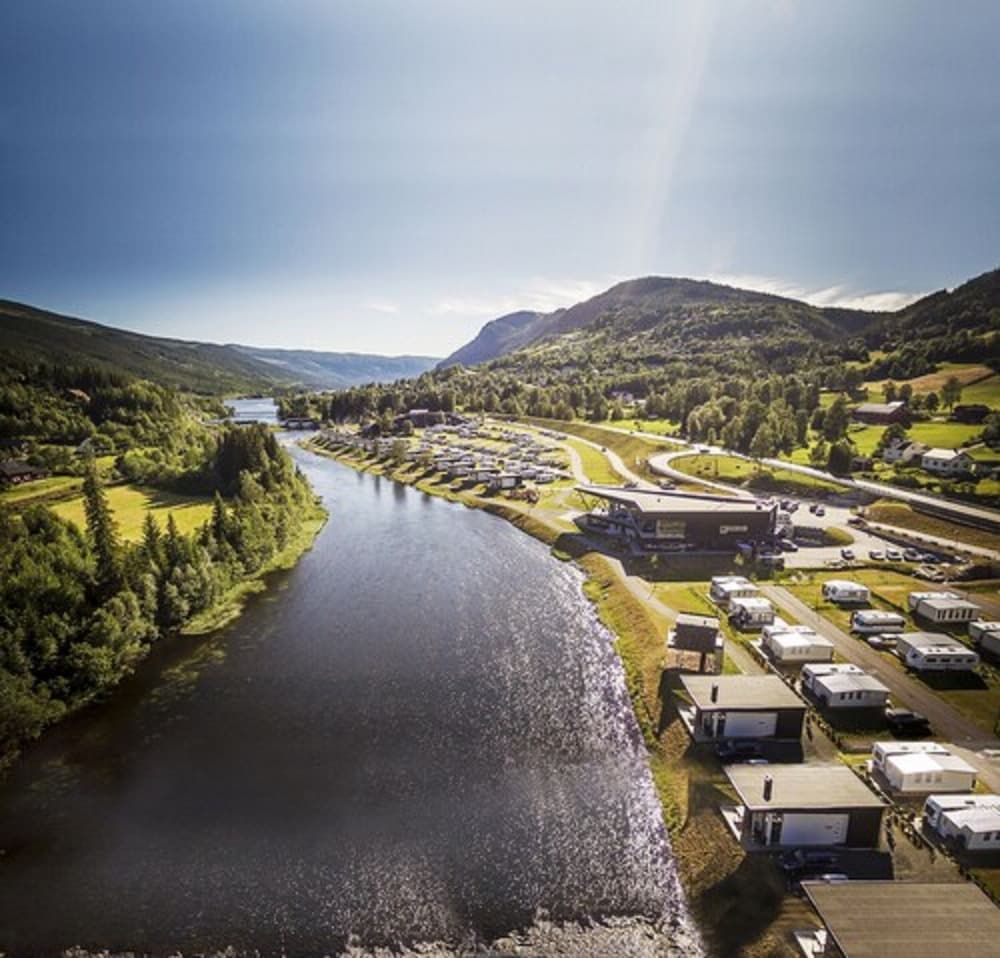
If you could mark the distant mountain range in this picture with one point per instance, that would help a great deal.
(654, 319)
(36, 335)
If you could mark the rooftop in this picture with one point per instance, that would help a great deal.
(801, 786)
(651, 503)
(689, 621)
(740, 692)
(942, 603)
(932, 640)
(895, 919)
(945, 454)
(930, 762)
(851, 682)
(880, 408)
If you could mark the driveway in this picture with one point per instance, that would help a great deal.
(946, 720)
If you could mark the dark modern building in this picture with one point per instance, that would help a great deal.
(676, 521)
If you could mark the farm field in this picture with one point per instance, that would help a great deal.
(131, 503)
(966, 373)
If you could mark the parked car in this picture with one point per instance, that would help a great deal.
(931, 558)
(876, 554)
(847, 554)
(913, 555)
(926, 572)
(820, 511)
(894, 555)
(800, 858)
(787, 545)
(903, 721)
(855, 521)
(666, 484)
(884, 643)
(813, 506)
(738, 751)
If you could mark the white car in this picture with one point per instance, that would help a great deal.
(894, 555)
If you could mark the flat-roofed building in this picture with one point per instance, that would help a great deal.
(881, 413)
(796, 806)
(662, 521)
(935, 652)
(741, 707)
(794, 644)
(898, 919)
(724, 588)
(844, 686)
(752, 612)
(947, 611)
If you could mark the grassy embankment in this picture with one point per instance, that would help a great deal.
(739, 900)
(901, 515)
(976, 695)
(743, 472)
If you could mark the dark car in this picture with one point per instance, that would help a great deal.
(913, 555)
(905, 721)
(738, 751)
(786, 545)
(814, 860)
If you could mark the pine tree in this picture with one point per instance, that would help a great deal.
(102, 530)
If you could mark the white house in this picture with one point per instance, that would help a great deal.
(935, 652)
(914, 767)
(946, 462)
(753, 612)
(844, 686)
(794, 644)
(947, 611)
(843, 591)
(903, 450)
(725, 588)
(971, 822)
(872, 621)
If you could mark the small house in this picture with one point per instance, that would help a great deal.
(741, 707)
(843, 686)
(14, 473)
(725, 588)
(752, 612)
(921, 767)
(795, 806)
(881, 413)
(899, 919)
(904, 451)
(946, 462)
(943, 611)
(845, 592)
(966, 822)
(505, 480)
(794, 644)
(873, 621)
(695, 633)
(915, 598)
(935, 652)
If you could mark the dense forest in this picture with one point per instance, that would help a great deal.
(79, 609)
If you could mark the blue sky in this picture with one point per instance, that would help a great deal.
(386, 176)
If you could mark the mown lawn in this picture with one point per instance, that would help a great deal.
(131, 503)
(735, 470)
(655, 427)
(41, 487)
(986, 391)
(946, 435)
(595, 464)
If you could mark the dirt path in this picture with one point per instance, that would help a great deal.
(947, 721)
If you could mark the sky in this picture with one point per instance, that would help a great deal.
(386, 176)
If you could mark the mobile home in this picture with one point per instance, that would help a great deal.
(916, 767)
(935, 652)
(795, 644)
(752, 612)
(873, 621)
(845, 592)
(725, 588)
(947, 611)
(969, 822)
(844, 686)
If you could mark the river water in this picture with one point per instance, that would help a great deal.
(421, 733)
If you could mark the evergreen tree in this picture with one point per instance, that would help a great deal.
(102, 531)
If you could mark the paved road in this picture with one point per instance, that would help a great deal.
(946, 720)
(661, 465)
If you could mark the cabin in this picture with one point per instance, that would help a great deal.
(505, 480)
(947, 611)
(794, 644)
(921, 767)
(881, 413)
(904, 451)
(696, 633)
(841, 686)
(741, 707)
(935, 652)
(845, 592)
(899, 919)
(946, 462)
(802, 806)
(15, 473)
(724, 588)
(965, 822)
(749, 613)
(971, 414)
(874, 621)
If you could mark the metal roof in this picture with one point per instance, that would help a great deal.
(801, 786)
(894, 919)
(740, 692)
(662, 503)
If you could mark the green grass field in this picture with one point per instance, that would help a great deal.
(595, 464)
(131, 503)
(735, 470)
(54, 485)
(969, 374)
(654, 427)
(901, 515)
(986, 391)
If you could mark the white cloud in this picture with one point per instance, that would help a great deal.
(380, 306)
(838, 295)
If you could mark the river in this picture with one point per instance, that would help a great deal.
(420, 733)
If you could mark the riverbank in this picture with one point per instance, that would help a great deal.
(738, 901)
(230, 605)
